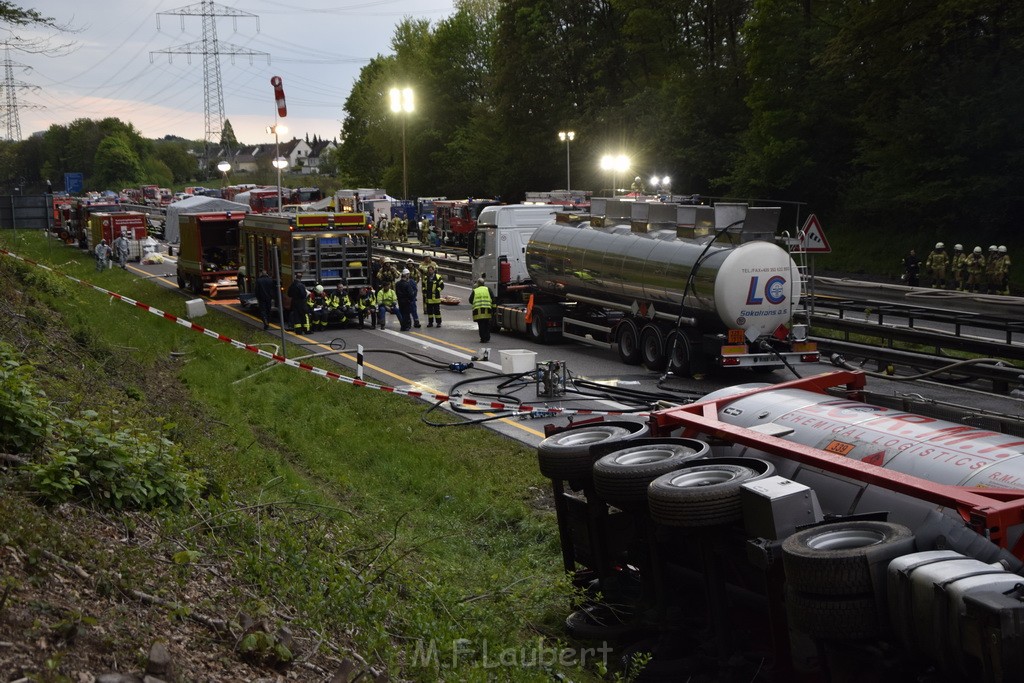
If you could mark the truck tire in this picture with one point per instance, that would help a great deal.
(652, 348)
(197, 285)
(537, 330)
(627, 337)
(701, 493)
(621, 478)
(566, 455)
(678, 353)
(833, 618)
(181, 281)
(843, 558)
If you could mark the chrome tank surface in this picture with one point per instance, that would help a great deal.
(936, 450)
(753, 286)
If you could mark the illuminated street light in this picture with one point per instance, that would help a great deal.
(616, 163)
(224, 166)
(402, 103)
(567, 136)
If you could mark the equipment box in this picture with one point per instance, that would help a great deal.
(517, 361)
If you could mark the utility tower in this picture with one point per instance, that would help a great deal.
(211, 50)
(11, 86)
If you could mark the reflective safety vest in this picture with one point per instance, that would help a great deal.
(481, 303)
(432, 287)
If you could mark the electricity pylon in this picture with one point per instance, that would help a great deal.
(11, 87)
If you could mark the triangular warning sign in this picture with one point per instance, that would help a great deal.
(812, 238)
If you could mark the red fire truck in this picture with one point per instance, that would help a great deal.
(455, 219)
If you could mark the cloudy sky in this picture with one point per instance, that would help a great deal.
(117, 63)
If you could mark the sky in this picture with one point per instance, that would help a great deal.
(117, 65)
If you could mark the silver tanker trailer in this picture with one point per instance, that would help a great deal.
(688, 287)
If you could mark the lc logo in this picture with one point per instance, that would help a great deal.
(774, 291)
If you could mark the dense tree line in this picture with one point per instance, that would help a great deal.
(900, 117)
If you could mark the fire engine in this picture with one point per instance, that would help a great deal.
(455, 219)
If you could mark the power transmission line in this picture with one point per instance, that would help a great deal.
(211, 50)
(11, 87)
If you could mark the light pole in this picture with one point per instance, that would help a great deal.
(279, 162)
(616, 163)
(402, 103)
(224, 166)
(567, 136)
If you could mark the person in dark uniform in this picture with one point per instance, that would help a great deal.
(300, 307)
(266, 290)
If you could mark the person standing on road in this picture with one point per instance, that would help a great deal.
(959, 267)
(433, 285)
(298, 296)
(911, 269)
(975, 270)
(405, 290)
(480, 298)
(937, 263)
(265, 292)
(121, 249)
(102, 255)
(415, 275)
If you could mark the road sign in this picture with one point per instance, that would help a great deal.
(73, 182)
(812, 238)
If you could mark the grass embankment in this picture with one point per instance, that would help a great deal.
(327, 508)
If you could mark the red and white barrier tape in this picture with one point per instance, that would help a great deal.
(443, 398)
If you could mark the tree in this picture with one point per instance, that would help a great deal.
(227, 137)
(116, 163)
(176, 158)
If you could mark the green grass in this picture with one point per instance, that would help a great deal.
(339, 501)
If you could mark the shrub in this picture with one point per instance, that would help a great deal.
(25, 412)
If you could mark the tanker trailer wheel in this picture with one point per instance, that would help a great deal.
(566, 455)
(677, 353)
(621, 478)
(181, 281)
(627, 336)
(702, 493)
(843, 558)
(652, 348)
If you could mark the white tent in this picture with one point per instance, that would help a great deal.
(198, 204)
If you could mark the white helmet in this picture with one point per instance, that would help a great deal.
(319, 289)
(993, 248)
(940, 245)
(977, 250)
(958, 247)
(1002, 248)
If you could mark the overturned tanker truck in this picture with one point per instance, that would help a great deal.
(686, 287)
(796, 532)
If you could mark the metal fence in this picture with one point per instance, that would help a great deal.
(25, 212)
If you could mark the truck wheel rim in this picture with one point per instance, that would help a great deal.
(641, 456)
(590, 436)
(702, 478)
(845, 539)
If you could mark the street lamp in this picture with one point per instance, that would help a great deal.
(567, 136)
(279, 162)
(224, 166)
(616, 163)
(402, 103)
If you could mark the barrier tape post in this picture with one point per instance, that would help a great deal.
(359, 361)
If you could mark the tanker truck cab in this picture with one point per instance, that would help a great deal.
(499, 244)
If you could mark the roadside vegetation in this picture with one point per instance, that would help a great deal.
(157, 489)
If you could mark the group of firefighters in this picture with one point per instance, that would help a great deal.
(391, 291)
(972, 271)
(395, 229)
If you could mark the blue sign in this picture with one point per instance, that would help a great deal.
(73, 183)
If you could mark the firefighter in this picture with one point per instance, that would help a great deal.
(937, 262)
(959, 266)
(121, 250)
(318, 304)
(415, 276)
(387, 302)
(433, 285)
(405, 291)
(339, 306)
(480, 298)
(993, 279)
(388, 273)
(1004, 257)
(298, 296)
(975, 270)
(366, 305)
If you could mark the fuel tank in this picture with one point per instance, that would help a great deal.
(754, 286)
